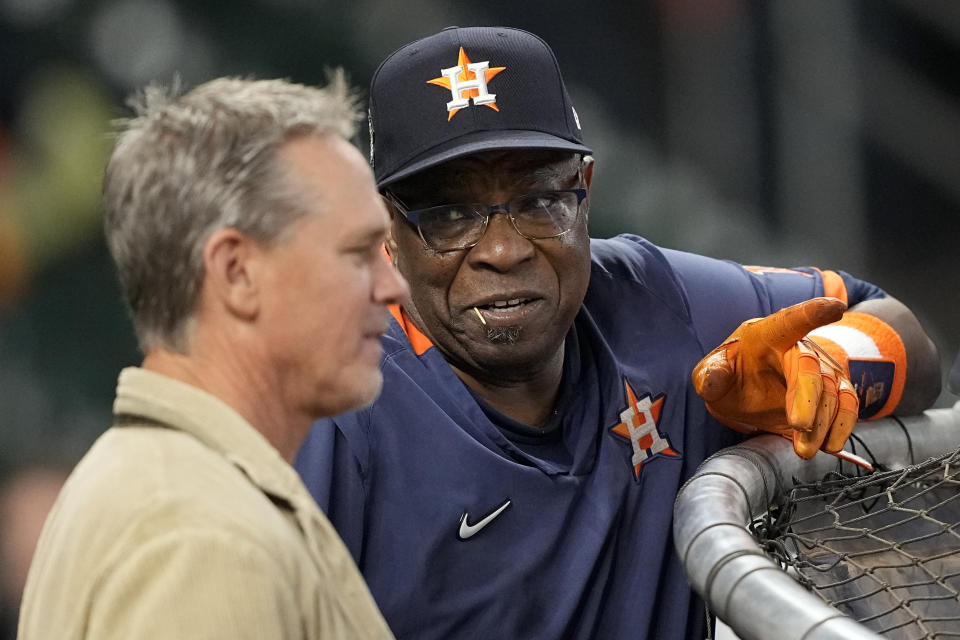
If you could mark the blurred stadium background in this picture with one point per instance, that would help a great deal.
(780, 132)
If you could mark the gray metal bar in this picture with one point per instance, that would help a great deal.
(723, 562)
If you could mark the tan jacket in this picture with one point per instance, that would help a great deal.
(182, 521)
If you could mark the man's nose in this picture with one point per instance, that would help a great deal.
(501, 247)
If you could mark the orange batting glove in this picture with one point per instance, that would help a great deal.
(768, 376)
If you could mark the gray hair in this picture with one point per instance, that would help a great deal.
(188, 165)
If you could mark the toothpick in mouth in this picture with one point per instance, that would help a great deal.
(483, 320)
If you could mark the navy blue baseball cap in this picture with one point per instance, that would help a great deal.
(466, 90)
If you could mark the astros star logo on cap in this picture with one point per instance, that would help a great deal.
(466, 81)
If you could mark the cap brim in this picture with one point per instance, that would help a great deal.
(481, 141)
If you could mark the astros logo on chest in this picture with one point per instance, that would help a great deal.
(638, 423)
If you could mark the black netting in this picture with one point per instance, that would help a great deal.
(882, 548)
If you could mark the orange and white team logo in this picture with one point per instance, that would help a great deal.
(467, 81)
(639, 425)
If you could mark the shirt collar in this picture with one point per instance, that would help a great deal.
(178, 405)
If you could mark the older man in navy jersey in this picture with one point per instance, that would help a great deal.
(516, 477)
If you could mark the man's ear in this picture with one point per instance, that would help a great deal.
(588, 171)
(390, 244)
(229, 263)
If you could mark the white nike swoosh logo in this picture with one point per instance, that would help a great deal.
(468, 530)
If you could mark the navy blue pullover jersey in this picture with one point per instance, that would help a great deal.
(464, 530)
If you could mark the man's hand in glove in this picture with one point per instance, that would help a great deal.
(768, 376)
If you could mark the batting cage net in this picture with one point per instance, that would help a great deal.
(814, 550)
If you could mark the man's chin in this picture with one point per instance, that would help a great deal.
(367, 394)
(504, 362)
(357, 396)
(504, 335)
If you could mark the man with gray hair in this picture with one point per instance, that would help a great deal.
(247, 234)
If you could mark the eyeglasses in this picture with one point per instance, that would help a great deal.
(535, 216)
